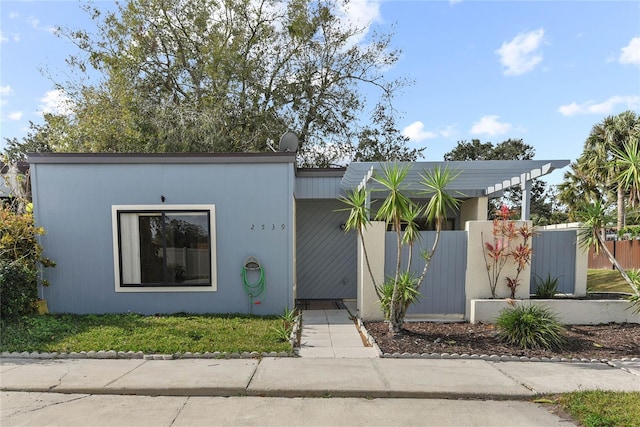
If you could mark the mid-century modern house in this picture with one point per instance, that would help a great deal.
(225, 233)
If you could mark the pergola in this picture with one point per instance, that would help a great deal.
(475, 178)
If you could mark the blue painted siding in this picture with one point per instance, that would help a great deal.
(326, 255)
(443, 287)
(318, 187)
(554, 253)
(73, 202)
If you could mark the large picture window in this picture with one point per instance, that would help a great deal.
(167, 247)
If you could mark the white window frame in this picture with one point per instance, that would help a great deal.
(116, 247)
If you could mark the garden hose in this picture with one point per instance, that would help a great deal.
(253, 290)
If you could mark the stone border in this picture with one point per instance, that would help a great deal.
(492, 357)
(112, 354)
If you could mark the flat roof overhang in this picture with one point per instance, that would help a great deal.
(159, 158)
(475, 178)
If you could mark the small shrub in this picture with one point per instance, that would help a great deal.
(20, 259)
(546, 288)
(285, 328)
(530, 326)
(407, 294)
(18, 289)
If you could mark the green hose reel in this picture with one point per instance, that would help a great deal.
(255, 289)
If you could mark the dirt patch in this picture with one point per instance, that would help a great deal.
(610, 341)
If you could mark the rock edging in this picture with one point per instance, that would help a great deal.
(489, 357)
(112, 354)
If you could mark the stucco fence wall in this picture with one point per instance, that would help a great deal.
(480, 307)
(570, 312)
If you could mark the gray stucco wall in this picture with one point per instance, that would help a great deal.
(73, 202)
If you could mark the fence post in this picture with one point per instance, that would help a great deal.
(582, 265)
(476, 279)
(368, 304)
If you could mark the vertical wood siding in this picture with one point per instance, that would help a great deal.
(443, 288)
(554, 253)
(320, 187)
(626, 252)
(326, 255)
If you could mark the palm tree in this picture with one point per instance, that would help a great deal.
(395, 208)
(579, 187)
(596, 173)
(628, 164)
(594, 218)
(358, 220)
(435, 185)
(398, 210)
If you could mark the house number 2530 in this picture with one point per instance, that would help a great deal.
(267, 227)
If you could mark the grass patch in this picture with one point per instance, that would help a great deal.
(150, 334)
(606, 281)
(602, 408)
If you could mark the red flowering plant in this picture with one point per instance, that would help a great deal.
(499, 251)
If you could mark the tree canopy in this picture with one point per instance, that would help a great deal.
(224, 76)
(607, 169)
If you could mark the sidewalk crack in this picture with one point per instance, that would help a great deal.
(125, 374)
(255, 370)
(59, 380)
(47, 405)
(179, 411)
(384, 380)
(494, 365)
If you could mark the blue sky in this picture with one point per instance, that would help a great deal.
(543, 71)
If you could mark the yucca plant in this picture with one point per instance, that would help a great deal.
(546, 288)
(400, 213)
(530, 327)
(406, 294)
(634, 275)
(594, 218)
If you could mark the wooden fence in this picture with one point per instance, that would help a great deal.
(627, 252)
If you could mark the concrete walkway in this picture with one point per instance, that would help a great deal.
(332, 333)
(316, 377)
(334, 363)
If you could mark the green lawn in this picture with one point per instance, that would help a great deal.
(150, 334)
(606, 281)
(603, 408)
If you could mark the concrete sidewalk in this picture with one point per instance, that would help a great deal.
(332, 333)
(315, 377)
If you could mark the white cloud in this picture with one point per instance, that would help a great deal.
(55, 102)
(454, 2)
(360, 14)
(490, 125)
(35, 24)
(416, 132)
(630, 54)
(15, 115)
(605, 107)
(4, 92)
(4, 38)
(449, 131)
(521, 54)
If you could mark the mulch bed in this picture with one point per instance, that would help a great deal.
(610, 341)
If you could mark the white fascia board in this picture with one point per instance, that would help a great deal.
(545, 169)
